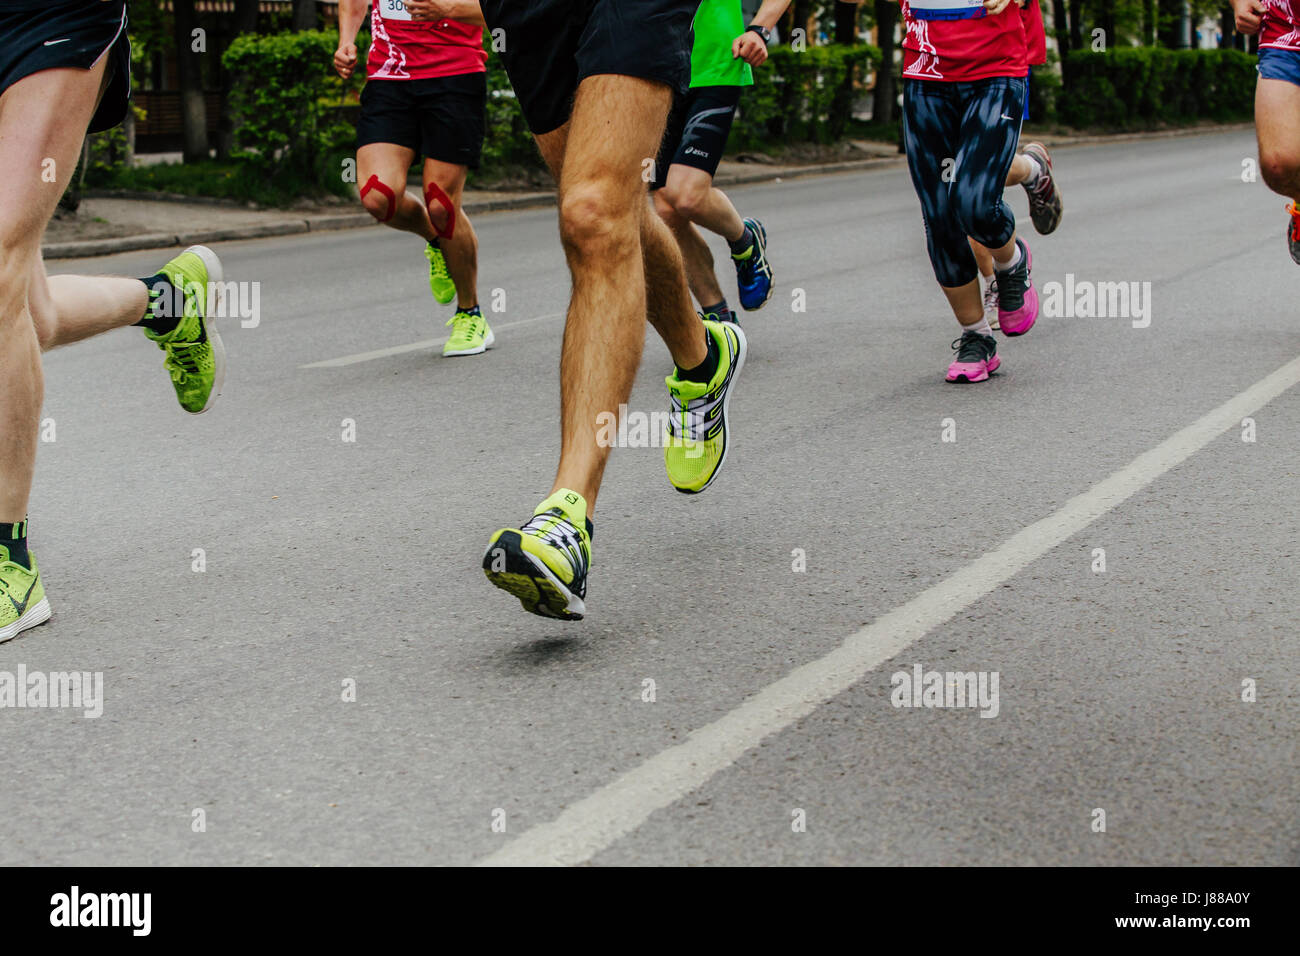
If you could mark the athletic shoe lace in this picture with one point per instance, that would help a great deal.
(183, 360)
(465, 324)
(971, 347)
(555, 529)
(692, 417)
(438, 264)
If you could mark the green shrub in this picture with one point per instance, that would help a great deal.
(1045, 90)
(802, 96)
(1141, 87)
(288, 130)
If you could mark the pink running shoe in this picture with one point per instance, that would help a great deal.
(1017, 297)
(977, 358)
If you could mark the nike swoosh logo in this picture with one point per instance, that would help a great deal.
(52, 42)
(22, 608)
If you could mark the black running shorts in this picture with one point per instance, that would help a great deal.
(38, 35)
(440, 118)
(697, 132)
(550, 46)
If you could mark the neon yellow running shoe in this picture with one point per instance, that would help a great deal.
(697, 442)
(470, 334)
(196, 358)
(444, 290)
(22, 597)
(545, 562)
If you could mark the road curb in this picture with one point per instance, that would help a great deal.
(84, 248)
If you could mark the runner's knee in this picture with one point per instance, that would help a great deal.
(1280, 169)
(688, 199)
(598, 218)
(379, 198)
(442, 210)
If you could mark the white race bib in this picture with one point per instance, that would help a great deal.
(393, 10)
(936, 9)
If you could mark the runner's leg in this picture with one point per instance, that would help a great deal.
(696, 255)
(606, 230)
(1277, 126)
(387, 164)
(461, 248)
(43, 119)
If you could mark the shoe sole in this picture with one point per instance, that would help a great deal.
(531, 581)
(760, 234)
(35, 616)
(488, 342)
(212, 262)
(994, 364)
(726, 410)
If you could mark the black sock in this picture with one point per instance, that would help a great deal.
(13, 538)
(158, 316)
(745, 241)
(720, 310)
(704, 372)
(472, 310)
(434, 243)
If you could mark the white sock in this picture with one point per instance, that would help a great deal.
(1011, 264)
(1034, 171)
(982, 327)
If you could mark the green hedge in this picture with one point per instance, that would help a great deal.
(802, 96)
(287, 119)
(1146, 86)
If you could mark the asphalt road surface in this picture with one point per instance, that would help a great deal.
(847, 541)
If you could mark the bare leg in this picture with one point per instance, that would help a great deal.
(967, 304)
(696, 255)
(461, 249)
(388, 163)
(606, 229)
(70, 308)
(691, 192)
(983, 258)
(43, 119)
(1277, 124)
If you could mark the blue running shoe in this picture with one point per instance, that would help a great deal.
(753, 271)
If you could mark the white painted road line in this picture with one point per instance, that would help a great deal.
(599, 820)
(416, 346)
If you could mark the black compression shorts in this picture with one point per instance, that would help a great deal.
(37, 35)
(697, 132)
(440, 118)
(550, 46)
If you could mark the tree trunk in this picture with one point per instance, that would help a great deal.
(1061, 26)
(194, 114)
(304, 14)
(802, 14)
(882, 100)
(1076, 25)
(846, 21)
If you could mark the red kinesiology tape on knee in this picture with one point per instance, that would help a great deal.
(374, 183)
(432, 192)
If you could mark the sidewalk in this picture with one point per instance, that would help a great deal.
(110, 223)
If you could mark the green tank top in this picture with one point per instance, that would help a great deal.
(717, 24)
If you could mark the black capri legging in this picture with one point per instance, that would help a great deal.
(961, 139)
